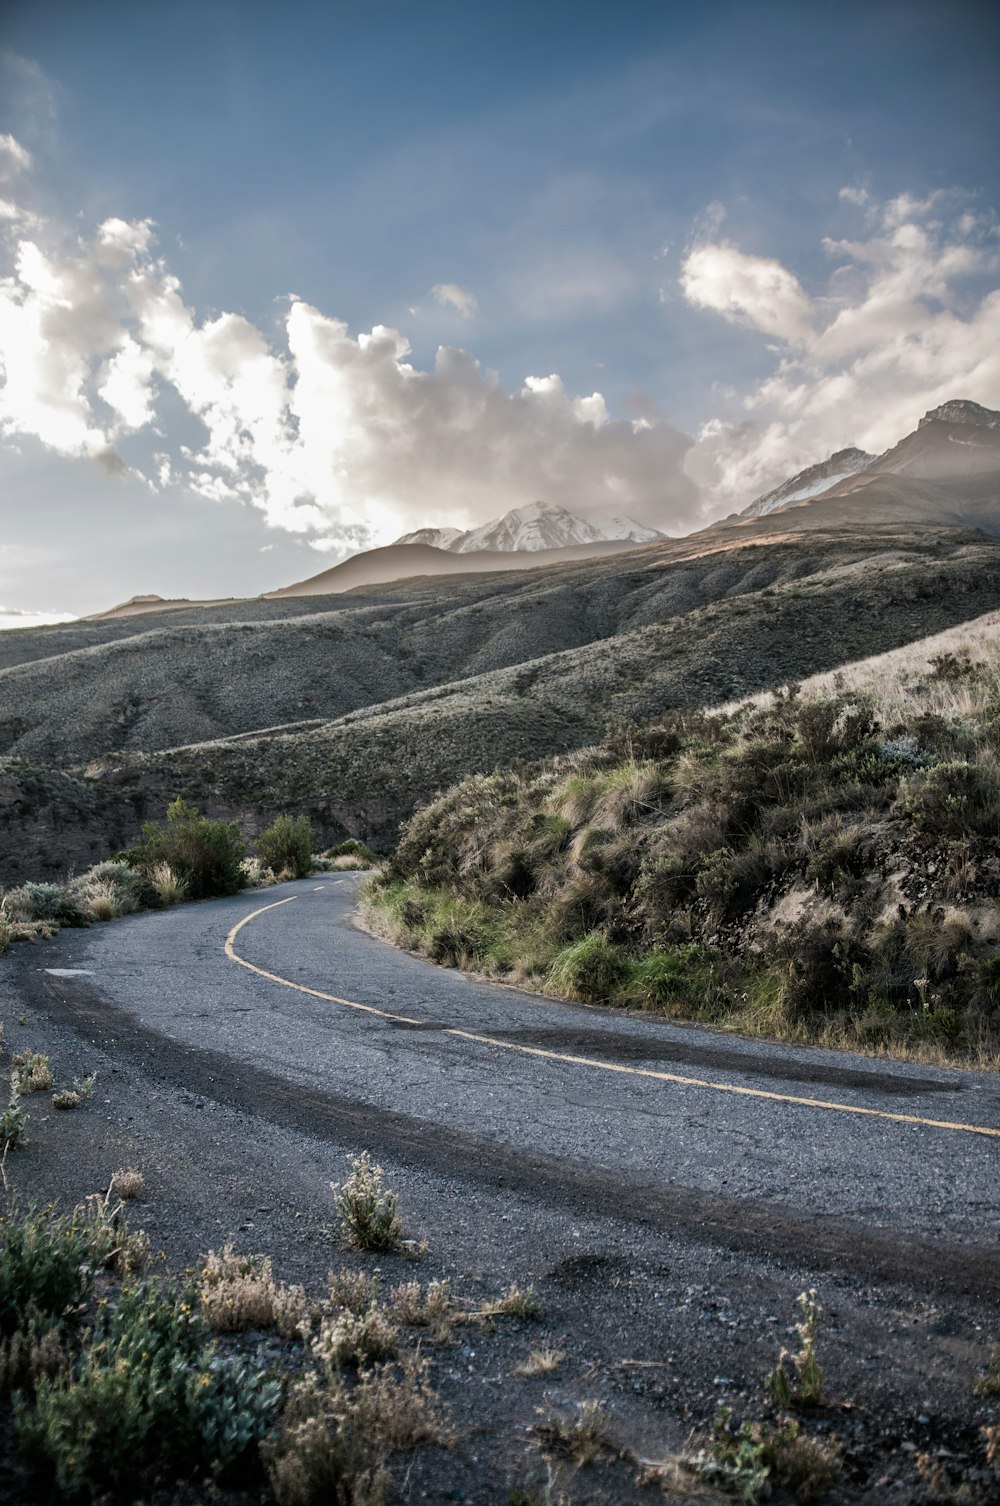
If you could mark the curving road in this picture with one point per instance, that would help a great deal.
(273, 1003)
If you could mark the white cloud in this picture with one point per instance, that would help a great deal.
(753, 290)
(910, 318)
(450, 295)
(852, 194)
(13, 156)
(12, 617)
(334, 436)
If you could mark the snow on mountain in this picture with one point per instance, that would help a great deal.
(539, 525)
(438, 538)
(624, 527)
(810, 482)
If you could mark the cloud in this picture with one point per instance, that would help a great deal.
(450, 295)
(909, 317)
(752, 290)
(13, 617)
(14, 157)
(332, 435)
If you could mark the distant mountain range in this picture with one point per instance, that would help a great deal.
(540, 525)
(945, 473)
(958, 440)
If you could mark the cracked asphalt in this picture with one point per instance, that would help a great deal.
(630, 1184)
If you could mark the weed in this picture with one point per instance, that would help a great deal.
(988, 1384)
(516, 1302)
(128, 1183)
(431, 1308)
(167, 886)
(32, 1073)
(542, 1362)
(592, 969)
(797, 1379)
(13, 1125)
(355, 1339)
(66, 1099)
(83, 1087)
(237, 1292)
(367, 1210)
(352, 1290)
(335, 1441)
(582, 1438)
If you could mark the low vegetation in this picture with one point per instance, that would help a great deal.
(188, 857)
(821, 867)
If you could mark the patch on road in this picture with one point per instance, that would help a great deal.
(626, 1047)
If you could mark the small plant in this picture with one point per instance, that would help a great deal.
(66, 1099)
(286, 846)
(355, 1339)
(988, 1384)
(256, 873)
(83, 1087)
(797, 1379)
(542, 1362)
(13, 1126)
(127, 1183)
(168, 888)
(366, 1209)
(237, 1292)
(592, 969)
(516, 1302)
(431, 1308)
(582, 1438)
(32, 1072)
(749, 1460)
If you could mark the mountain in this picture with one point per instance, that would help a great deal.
(946, 472)
(411, 561)
(539, 525)
(808, 483)
(435, 538)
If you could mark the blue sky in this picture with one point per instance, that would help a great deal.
(754, 229)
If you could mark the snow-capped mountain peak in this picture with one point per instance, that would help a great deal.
(810, 482)
(538, 525)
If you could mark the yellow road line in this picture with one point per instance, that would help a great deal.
(588, 1061)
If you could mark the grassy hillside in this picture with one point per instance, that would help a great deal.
(359, 715)
(820, 866)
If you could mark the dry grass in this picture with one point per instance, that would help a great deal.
(582, 1438)
(32, 1073)
(516, 1302)
(66, 1099)
(128, 1183)
(431, 1307)
(542, 1362)
(170, 889)
(349, 1339)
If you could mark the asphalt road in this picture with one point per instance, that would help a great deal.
(273, 1003)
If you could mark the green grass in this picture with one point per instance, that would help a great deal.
(806, 869)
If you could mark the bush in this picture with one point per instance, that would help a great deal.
(45, 902)
(204, 855)
(592, 969)
(678, 976)
(287, 844)
(148, 1394)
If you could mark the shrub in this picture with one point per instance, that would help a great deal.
(149, 1393)
(13, 1130)
(204, 855)
(592, 969)
(167, 888)
(366, 1209)
(45, 902)
(352, 848)
(32, 1073)
(287, 845)
(47, 1263)
(237, 1292)
(128, 1183)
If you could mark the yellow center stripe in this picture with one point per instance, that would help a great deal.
(589, 1061)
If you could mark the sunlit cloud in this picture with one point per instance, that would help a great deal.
(909, 317)
(450, 295)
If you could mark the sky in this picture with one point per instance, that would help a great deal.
(279, 283)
